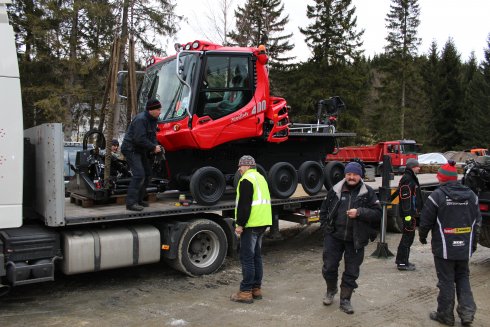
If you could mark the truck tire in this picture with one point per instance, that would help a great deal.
(282, 179)
(202, 248)
(394, 223)
(237, 176)
(311, 177)
(334, 172)
(207, 185)
(484, 236)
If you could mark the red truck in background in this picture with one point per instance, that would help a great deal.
(372, 155)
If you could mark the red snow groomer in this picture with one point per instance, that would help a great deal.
(216, 107)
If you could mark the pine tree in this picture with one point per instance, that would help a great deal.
(64, 48)
(402, 23)
(474, 123)
(262, 22)
(332, 35)
(448, 107)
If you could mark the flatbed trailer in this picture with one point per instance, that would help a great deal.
(60, 234)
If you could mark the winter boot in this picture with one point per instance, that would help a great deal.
(465, 315)
(257, 293)
(345, 295)
(331, 291)
(242, 297)
(442, 318)
(406, 267)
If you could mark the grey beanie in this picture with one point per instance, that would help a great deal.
(246, 160)
(411, 163)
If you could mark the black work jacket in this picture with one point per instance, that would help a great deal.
(410, 195)
(452, 215)
(141, 134)
(334, 220)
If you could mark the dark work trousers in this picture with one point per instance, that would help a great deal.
(449, 273)
(333, 249)
(251, 257)
(141, 170)
(403, 252)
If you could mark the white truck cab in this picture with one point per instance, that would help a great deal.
(11, 127)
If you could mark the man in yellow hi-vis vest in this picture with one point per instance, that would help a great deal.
(253, 214)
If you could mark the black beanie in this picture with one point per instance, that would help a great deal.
(153, 104)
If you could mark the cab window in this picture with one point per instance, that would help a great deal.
(225, 86)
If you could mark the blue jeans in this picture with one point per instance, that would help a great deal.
(251, 257)
(141, 170)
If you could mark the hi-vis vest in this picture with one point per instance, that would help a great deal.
(261, 213)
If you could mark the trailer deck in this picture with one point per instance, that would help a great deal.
(167, 205)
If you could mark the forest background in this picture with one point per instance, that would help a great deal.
(437, 99)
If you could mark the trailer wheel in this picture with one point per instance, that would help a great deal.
(202, 248)
(207, 185)
(237, 176)
(310, 175)
(379, 170)
(394, 223)
(334, 173)
(282, 179)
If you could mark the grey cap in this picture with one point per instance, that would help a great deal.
(411, 163)
(246, 160)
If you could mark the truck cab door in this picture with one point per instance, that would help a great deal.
(225, 101)
(395, 155)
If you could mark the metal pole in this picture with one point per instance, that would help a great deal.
(382, 250)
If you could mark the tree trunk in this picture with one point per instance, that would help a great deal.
(72, 71)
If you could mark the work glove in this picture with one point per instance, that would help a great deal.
(408, 223)
(423, 240)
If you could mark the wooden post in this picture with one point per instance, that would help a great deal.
(111, 109)
(132, 98)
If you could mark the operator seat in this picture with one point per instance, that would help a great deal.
(232, 99)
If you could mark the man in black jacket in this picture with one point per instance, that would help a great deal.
(410, 206)
(350, 216)
(139, 141)
(452, 215)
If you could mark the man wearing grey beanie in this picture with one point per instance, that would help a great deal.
(410, 205)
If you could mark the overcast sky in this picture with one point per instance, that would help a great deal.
(467, 22)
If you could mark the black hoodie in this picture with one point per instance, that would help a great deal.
(453, 216)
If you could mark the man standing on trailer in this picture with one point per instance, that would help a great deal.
(410, 206)
(253, 214)
(452, 215)
(349, 216)
(140, 140)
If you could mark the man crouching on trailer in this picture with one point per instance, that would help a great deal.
(253, 214)
(349, 217)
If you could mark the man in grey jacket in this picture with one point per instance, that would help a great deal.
(452, 215)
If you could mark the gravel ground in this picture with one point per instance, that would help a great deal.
(155, 295)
